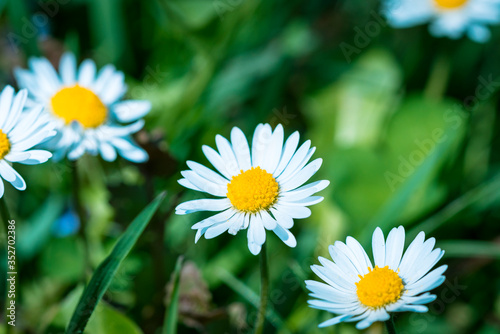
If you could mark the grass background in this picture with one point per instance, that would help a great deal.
(406, 124)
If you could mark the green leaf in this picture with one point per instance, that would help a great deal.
(171, 314)
(107, 269)
(105, 319)
(470, 248)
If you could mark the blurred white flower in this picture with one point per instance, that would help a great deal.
(86, 108)
(259, 189)
(447, 18)
(20, 130)
(357, 291)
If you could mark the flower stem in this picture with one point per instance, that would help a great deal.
(264, 290)
(391, 329)
(80, 211)
(5, 300)
(438, 78)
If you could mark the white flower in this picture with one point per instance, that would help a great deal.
(86, 108)
(448, 18)
(20, 130)
(357, 291)
(259, 189)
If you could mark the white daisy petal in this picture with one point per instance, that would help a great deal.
(215, 219)
(107, 151)
(207, 173)
(305, 191)
(7, 172)
(260, 143)
(131, 110)
(273, 153)
(18, 156)
(295, 161)
(287, 153)
(409, 273)
(15, 110)
(336, 276)
(35, 157)
(335, 320)
(216, 161)
(305, 201)
(217, 229)
(6, 98)
(241, 149)
(268, 221)
(18, 181)
(411, 254)
(282, 218)
(394, 247)
(86, 74)
(360, 254)
(305, 174)
(257, 229)
(227, 155)
(204, 184)
(297, 212)
(378, 245)
(376, 315)
(114, 89)
(67, 68)
(285, 235)
(129, 150)
(202, 205)
(187, 184)
(238, 221)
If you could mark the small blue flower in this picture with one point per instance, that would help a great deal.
(68, 224)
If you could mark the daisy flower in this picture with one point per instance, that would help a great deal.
(358, 291)
(448, 18)
(258, 189)
(86, 108)
(20, 130)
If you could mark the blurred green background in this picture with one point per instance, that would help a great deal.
(406, 124)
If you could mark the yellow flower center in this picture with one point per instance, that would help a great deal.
(380, 287)
(253, 190)
(450, 4)
(4, 145)
(79, 104)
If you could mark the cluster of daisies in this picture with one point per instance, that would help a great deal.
(257, 187)
(446, 18)
(263, 187)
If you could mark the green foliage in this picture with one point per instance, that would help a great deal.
(103, 275)
(407, 128)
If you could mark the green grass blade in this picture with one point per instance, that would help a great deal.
(485, 194)
(103, 275)
(389, 215)
(171, 314)
(470, 248)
